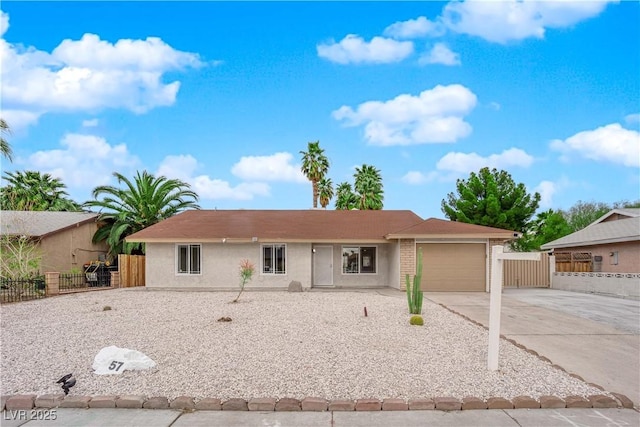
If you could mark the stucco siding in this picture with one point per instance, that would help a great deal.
(394, 265)
(628, 256)
(70, 249)
(220, 266)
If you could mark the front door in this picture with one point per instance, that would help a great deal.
(322, 266)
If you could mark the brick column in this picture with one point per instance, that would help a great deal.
(115, 279)
(52, 282)
(407, 261)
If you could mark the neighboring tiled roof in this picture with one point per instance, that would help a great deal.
(622, 230)
(39, 224)
(438, 228)
(277, 225)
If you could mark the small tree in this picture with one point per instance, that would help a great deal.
(21, 257)
(246, 274)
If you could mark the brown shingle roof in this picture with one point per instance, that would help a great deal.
(439, 228)
(277, 225)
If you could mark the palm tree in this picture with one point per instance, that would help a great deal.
(142, 202)
(346, 199)
(315, 166)
(34, 191)
(325, 191)
(368, 185)
(5, 148)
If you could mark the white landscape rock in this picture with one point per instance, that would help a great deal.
(115, 360)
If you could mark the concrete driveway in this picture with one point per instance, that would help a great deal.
(596, 337)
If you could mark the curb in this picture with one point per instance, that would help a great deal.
(310, 404)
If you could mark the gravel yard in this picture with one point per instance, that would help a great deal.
(278, 344)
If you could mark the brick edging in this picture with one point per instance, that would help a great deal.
(310, 404)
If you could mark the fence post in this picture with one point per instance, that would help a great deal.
(52, 283)
(115, 279)
(552, 269)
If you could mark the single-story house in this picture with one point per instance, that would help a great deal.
(202, 249)
(64, 238)
(613, 242)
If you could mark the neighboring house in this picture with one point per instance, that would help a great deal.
(202, 249)
(613, 242)
(65, 238)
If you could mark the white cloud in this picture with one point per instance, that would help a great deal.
(440, 54)
(355, 50)
(184, 167)
(506, 20)
(434, 116)
(4, 23)
(19, 120)
(414, 28)
(276, 167)
(414, 178)
(495, 106)
(611, 143)
(90, 74)
(547, 190)
(90, 123)
(463, 163)
(632, 118)
(85, 161)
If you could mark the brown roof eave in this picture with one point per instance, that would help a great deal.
(509, 235)
(251, 240)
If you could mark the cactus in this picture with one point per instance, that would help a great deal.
(414, 294)
(416, 320)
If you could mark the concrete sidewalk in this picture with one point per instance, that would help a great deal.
(172, 418)
(593, 336)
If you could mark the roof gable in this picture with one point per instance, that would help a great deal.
(277, 225)
(618, 214)
(41, 223)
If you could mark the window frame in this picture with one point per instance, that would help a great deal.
(359, 272)
(190, 247)
(273, 247)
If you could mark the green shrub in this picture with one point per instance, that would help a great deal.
(416, 320)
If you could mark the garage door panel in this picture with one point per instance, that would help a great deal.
(453, 266)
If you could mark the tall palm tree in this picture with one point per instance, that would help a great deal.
(5, 148)
(346, 199)
(315, 166)
(142, 202)
(368, 185)
(325, 191)
(34, 191)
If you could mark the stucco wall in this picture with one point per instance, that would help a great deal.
(220, 266)
(624, 285)
(70, 249)
(628, 256)
(394, 265)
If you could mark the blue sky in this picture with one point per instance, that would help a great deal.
(225, 95)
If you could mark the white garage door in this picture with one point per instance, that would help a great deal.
(453, 266)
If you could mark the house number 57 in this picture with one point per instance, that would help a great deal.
(115, 365)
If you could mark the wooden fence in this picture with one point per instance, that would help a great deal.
(573, 262)
(527, 274)
(132, 270)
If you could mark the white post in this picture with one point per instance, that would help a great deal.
(495, 307)
(552, 269)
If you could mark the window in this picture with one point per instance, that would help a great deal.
(359, 260)
(274, 259)
(188, 259)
